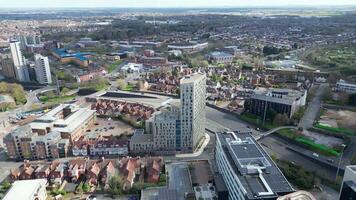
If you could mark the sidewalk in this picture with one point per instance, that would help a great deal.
(199, 151)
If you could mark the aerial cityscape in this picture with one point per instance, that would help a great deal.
(178, 100)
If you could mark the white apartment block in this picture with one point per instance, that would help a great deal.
(192, 97)
(43, 72)
(21, 70)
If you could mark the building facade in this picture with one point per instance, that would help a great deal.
(348, 187)
(220, 57)
(7, 66)
(20, 68)
(283, 101)
(43, 72)
(248, 172)
(192, 111)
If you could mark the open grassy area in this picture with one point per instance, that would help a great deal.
(336, 57)
(252, 119)
(310, 144)
(114, 66)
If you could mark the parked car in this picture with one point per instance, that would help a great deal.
(316, 155)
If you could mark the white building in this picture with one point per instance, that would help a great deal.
(343, 86)
(43, 72)
(21, 70)
(193, 99)
(248, 172)
(27, 190)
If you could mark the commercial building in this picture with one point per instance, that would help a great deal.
(220, 57)
(248, 172)
(284, 101)
(43, 72)
(343, 86)
(27, 190)
(348, 187)
(66, 56)
(192, 111)
(20, 68)
(189, 48)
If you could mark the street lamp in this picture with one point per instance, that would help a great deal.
(338, 166)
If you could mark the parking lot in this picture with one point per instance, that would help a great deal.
(107, 127)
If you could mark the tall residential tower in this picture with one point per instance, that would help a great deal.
(192, 97)
(43, 72)
(21, 71)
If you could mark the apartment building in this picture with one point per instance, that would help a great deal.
(7, 66)
(21, 71)
(175, 128)
(248, 172)
(192, 110)
(23, 143)
(43, 72)
(284, 101)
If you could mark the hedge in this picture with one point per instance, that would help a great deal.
(318, 147)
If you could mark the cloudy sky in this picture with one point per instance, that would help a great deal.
(164, 3)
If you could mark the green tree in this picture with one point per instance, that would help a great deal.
(121, 84)
(352, 100)
(281, 119)
(65, 90)
(115, 185)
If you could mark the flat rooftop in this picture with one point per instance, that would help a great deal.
(256, 171)
(24, 189)
(191, 78)
(283, 96)
(150, 100)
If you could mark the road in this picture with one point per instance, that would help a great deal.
(278, 147)
(313, 108)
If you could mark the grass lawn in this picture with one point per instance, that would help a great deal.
(129, 87)
(310, 144)
(114, 66)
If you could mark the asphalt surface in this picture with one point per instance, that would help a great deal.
(278, 147)
(313, 108)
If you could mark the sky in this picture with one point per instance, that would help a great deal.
(164, 3)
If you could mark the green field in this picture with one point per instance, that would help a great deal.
(334, 58)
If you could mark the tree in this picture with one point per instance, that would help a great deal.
(281, 119)
(65, 90)
(115, 185)
(3, 87)
(121, 84)
(86, 187)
